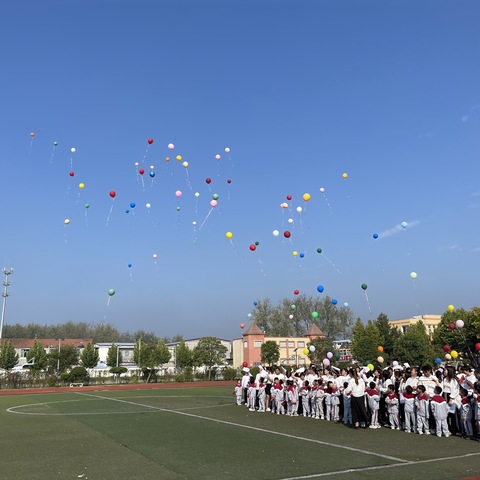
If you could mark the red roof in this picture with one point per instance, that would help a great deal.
(47, 342)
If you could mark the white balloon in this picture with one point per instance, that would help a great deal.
(73, 149)
(299, 209)
(148, 205)
(276, 233)
(290, 220)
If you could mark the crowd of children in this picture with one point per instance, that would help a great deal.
(443, 402)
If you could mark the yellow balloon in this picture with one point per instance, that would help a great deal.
(295, 253)
(454, 354)
(370, 367)
(229, 235)
(306, 197)
(81, 185)
(380, 359)
(306, 351)
(344, 175)
(451, 308)
(179, 158)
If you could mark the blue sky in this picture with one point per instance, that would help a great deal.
(300, 92)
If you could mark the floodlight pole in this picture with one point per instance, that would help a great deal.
(5, 294)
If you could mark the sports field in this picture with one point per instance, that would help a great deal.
(199, 433)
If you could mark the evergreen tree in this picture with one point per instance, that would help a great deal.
(183, 356)
(270, 352)
(38, 353)
(89, 356)
(414, 346)
(8, 356)
(114, 355)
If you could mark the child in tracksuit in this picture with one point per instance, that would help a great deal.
(332, 402)
(291, 399)
(320, 397)
(392, 408)
(238, 391)
(347, 408)
(466, 414)
(423, 410)
(304, 394)
(440, 410)
(409, 409)
(252, 394)
(278, 393)
(261, 395)
(373, 400)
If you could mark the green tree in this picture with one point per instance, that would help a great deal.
(270, 352)
(62, 359)
(388, 335)
(322, 347)
(8, 356)
(183, 356)
(210, 352)
(39, 356)
(89, 356)
(114, 356)
(414, 346)
(365, 345)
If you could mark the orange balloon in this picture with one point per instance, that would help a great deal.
(380, 348)
(32, 134)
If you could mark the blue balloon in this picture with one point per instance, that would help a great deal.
(375, 235)
(132, 205)
(255, 303)
(249, 315)
(320, 288)
(345, 304)
(334, 302)
(127, 210)
(438, 360)
(152, 173)
(129, 265)
(302, 255)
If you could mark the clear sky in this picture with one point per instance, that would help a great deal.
(301, 92)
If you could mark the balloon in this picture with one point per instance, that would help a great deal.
(299, 209)
(413, 275)
(66, 221)
(276, 233)
(213, 203)
(215, 196)
(290, 220)
(294, 253)
(380, 359)
(141, 171)
(112, 193)
(73, 149)
(454, 354)
(375, 236)
(451, 326)
(150, 141)
(217, 157)
(438, 360)
(81, 185)
(152, 173)
(255, 303)
(148, 205)
(370, 367)
(284, 205)
(286, 234)
(178, 158)
(253, 247)
(446, 348)
(289, 197)
(460, 323)
(245, 364)
(229, 181)
(404, 224)
(344, 175)
(129, 265)
(334, 301)
(448, 356)
(55, 144)
(380, 349)
(296, 292)
(111, 292)
(194, 223)
(302, 255)
(314, 314)
(290, 316)
(293, 307)
(171, 146)
(178, 209)
(306, 197)
(227, 150)
(32, 134)
(127, 211)
(185, 164)
(306, 351)
(477, 347)
(167, 159)
(326, 362)
(364, 286)
(208, 180)
(249, 315)
(345, 304)
(178, 193)
(132, 205)
(319, 250)
(229, 235)
(87, 205)
(72, 174)
(311, 348)
(451, 308)
(320, 288)
(155, 256)
(322, 190)
(329, 354)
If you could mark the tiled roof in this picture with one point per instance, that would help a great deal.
(314, 331)
(253, 329)
(47, 342)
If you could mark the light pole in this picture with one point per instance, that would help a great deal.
(58, 358)
(118, 350)
(5, 294)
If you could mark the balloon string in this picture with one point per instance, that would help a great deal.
(331, 263)
(203, 223)
(368, 303)
(328, 204)
(188, 179)
(109, 214)
(51, 158)
(108, 301)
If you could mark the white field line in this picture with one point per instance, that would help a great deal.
(380, 467)
(248, 427)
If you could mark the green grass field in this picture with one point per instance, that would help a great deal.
(198, 433)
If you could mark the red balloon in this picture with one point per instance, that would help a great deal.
(208, 180)
(141, 171)
(477, 347)
(242, 325)
(229, 181)
(451, 326)
(286, 234)
(112, 193)
(253, 247)
(72, 174)
(245, 364)
(150, 141)
(446, 348)
(296, 292)
(289, 197)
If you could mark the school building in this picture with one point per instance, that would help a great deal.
(430, 321)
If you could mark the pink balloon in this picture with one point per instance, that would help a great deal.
(322, 190)
(213, 203)
(171, 146)
(326, 362)
(217, 157)
(178, 193)
(329, 355)
(459, 323)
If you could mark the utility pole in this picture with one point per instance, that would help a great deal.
(5, 294)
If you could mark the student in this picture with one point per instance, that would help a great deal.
(238, 391)
(392, 407)
(262, 395)
(245, 384)
(451, 394)
(423, 410)
(373, 398)
(304, 394)
(466, 414)
(347, 407)
(252, 394)
(356, 386)
(440, 412)
(278, 393)
(409, 409)
(320, 397)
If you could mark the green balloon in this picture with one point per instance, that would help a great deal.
(87, 205)
(215, 196)
(315, 314)
(319, 250)
(293, 307)
(55, 144)
(364, 286)
(257, 243)
(111, 292)
(178, 209)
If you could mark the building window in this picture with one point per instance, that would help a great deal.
(24, 352)
(291, 344)
(404, 328)
(283, 344)
(301, 361)
(257, 343)
(245, 344)
(301, 345)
